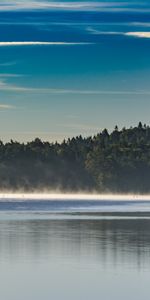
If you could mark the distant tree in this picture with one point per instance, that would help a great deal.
(140, 126)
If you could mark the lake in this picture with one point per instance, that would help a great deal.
(77, 249)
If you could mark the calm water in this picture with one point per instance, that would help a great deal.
(74, 250)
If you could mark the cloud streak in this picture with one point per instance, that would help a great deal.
(6, 106)
(6, 87)
(18, 5)
(8, 64)
(137, 34)
(40, 43)
(77, 5)
(10, 75)
(94, 31)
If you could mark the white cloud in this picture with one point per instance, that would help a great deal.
(35, 43)
(138, 34)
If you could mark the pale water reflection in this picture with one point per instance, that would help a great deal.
(77, 255)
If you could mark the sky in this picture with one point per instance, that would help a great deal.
(70, 68)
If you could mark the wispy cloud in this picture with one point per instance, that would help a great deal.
(99, 32)
(141, 24)
(6, 106)
(138, 34)
(33, 43)
(77, 5)
(55, 5)
(7, 87)
(10, 75)
(8, 63)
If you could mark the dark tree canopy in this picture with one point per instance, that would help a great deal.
(115, 162)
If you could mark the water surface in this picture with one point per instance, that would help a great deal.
(74, 250)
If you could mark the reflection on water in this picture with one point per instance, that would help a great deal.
(104, 257)
(110, 241)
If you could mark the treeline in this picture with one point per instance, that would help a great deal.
(118, 162)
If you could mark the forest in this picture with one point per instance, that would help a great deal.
(117, 162)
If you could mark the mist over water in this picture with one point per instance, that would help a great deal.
(47, 195)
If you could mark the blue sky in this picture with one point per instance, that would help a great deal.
(69, 68)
